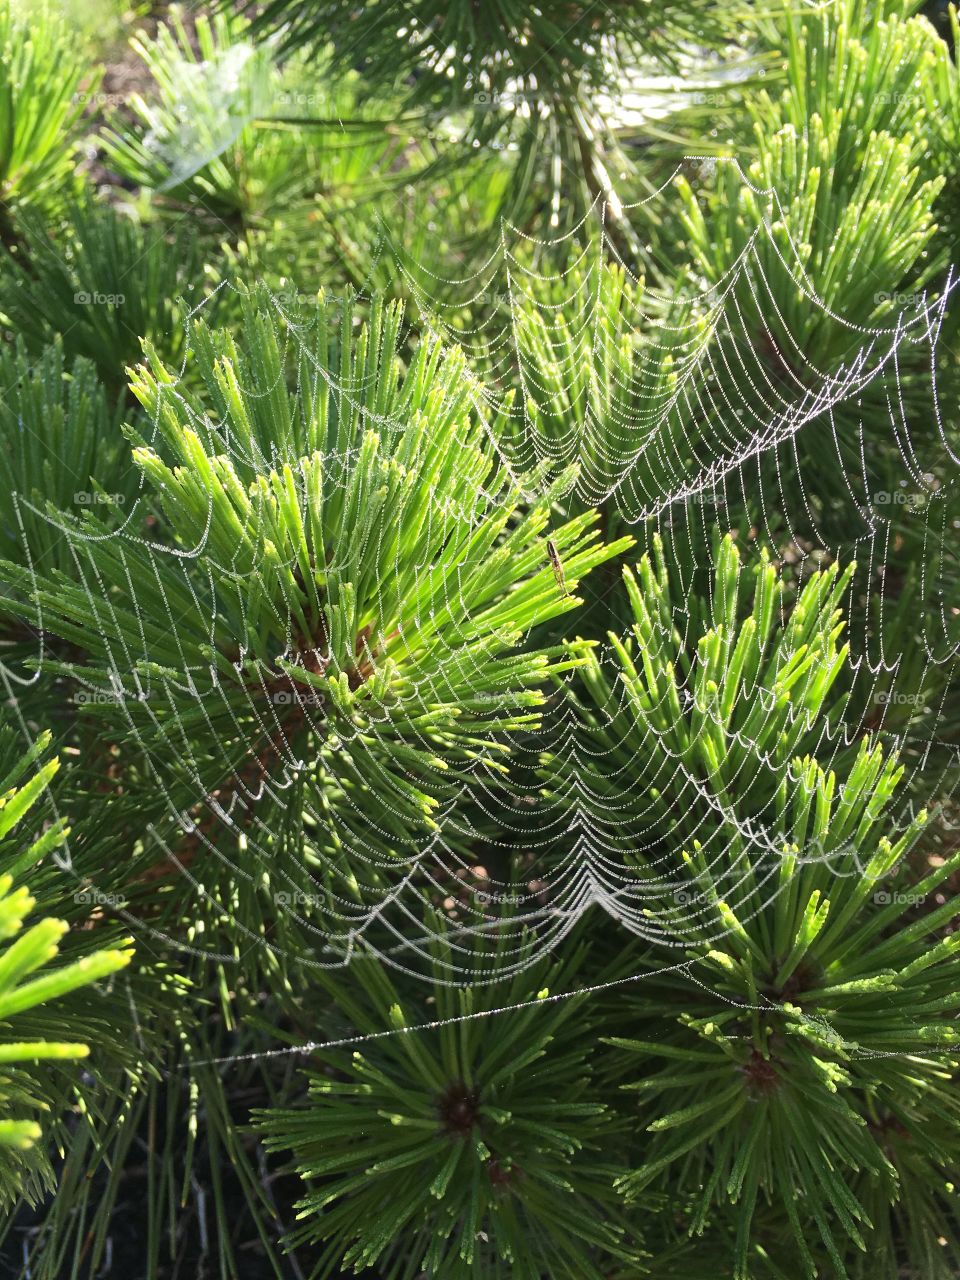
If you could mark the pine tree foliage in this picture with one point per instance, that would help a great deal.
(203, 135)
(41, 72)
(824, 1055)
(102, 284)
(474, 1149)
(814, 1026)
(711, 717)
(513, 39)
(940, 90)
(291, 161)
(831, 241)
(350, 566)
(537, 81)
(60, 445)
(500, 910)
(30, 980)
(602, 362)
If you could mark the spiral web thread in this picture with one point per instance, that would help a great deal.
(625, 443)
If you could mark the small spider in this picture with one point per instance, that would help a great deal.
(557, 566)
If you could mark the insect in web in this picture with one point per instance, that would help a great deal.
(556, 565)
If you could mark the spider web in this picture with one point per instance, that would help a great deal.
(674, 419)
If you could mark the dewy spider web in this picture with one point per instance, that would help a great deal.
(658, 408)
(620, 434)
